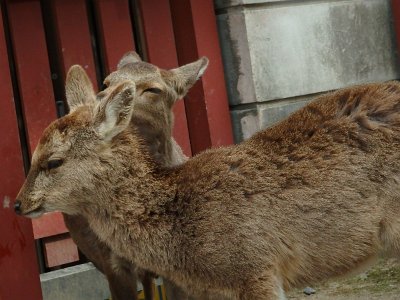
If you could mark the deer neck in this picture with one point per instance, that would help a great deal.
(154, 126)
(130, 213)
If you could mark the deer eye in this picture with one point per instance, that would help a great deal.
(152, 90)
(54, 163)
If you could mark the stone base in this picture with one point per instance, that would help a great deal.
(73, 283)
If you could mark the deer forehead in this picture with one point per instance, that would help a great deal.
(143, 74)
(52, 143)
(57, 137)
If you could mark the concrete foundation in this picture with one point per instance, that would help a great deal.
(74, 283)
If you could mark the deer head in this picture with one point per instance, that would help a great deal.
(81, 155)
(158, 91)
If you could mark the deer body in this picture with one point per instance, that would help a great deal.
(283, 206)
(154, 123)
(314, 197)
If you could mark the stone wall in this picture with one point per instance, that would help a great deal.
(279, 54)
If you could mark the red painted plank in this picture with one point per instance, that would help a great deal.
(33, 72)
(32, 67)
(396, 20)
(18, 262)
(158, 33)
(72, 28)
(207, 103)
(115, 29)
(161, 51)
(59, 250)
(48, 225)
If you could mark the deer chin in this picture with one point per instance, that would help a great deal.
(35, 213)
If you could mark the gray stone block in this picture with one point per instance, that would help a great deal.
(245, 123)
(75, 283)
(270, 114)
(236, 57)
(232, 3)
(258, 116)
(280, 51)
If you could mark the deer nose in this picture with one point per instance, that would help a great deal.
(17, 207)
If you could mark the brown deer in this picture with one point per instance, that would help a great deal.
(153, 120)
(313, 197)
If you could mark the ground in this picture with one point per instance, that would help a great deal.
(380, 282)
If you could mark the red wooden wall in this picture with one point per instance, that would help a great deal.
(39, 41)
(17, 253)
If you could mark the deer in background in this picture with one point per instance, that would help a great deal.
(313, 197)
(153, 120)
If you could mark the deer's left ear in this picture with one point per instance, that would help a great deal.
(78, 88)
(113, 113)
(184, 77)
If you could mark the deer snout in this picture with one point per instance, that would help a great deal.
(17, 207)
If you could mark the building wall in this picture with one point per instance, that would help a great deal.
(280, 54)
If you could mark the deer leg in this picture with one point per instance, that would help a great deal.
(389, 232)
(174, 292)
(147, 281)
(122, 278)
(122, 287)
(262, 288)
(390, 238)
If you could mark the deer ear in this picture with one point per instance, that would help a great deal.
(78, 88)
(183, 78)
(113, 114)
(128, 58)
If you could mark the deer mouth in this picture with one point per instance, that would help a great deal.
(35, 213)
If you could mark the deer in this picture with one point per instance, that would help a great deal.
(153, 120)
(313, 197)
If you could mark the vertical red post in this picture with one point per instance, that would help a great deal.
(207, 103)
(36, 90)
(161, 51)
(115, 29)
(32, 67)
(18, 263)
(73, 34)
(396, 20)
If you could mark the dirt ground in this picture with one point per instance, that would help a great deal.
(380, 282)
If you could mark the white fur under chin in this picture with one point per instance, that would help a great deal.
(35, 214)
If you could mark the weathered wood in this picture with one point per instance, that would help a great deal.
(35, 86)
(17, 248)
(115, 31)
(207, 102)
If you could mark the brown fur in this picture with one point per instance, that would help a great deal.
(314, 197)
(154, 122)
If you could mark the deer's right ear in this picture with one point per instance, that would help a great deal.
(113, 114)
(78, 88)
(184, 77)
(128, 58)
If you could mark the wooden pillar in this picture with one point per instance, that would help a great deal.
(115, 31)
(396, 20)
(73, 36)
(39, 108)
(19, 272)
(207, 103)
